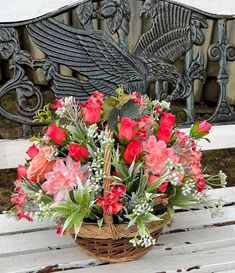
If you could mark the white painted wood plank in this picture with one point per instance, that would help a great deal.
(227, 194)
(174, 245)
(18, 10)
(10, 225)
(33, 262)
(183, 220)
(12, 152)
(178, 242)
(152, 263)
(30, 242)
(197, 219)
(216, 7)
(220, 136)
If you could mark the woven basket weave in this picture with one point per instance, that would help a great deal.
(110, 243)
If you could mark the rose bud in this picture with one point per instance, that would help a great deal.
(78, 152)
(32, 151)
(204, 126)
(128, 129)
(56, 134)
(200, 130)
(166, 127)
(132, 151)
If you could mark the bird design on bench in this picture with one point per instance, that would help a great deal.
(107, 64)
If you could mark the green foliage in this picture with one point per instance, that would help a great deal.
(182, 201)
(44, 115)
(194, 131)
(75, 209)
(121, 107)
(156, 184)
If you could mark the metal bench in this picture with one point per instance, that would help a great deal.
(196, 242)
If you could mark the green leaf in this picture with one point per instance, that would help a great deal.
(156, 184)
(78, 220)
(142, 183)
(78, 194)
(171, 211)
(100, 222)
(131, 168)
(185, 202)
(150, 217)
(122, 171)
(129, 109)
(109, 104)
(112, 119)
(69, 222)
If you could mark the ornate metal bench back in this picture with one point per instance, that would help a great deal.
(107, 64)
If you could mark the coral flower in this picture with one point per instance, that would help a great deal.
(40, 165)
(156, 155)
(63, 178)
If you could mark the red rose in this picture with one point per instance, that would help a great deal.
(132, 151)
(127, 129)
(92, 110)
(32, 151)
(204, 127)
(166, 126)
(56, 134)
(92, 113)
(78, 152)
(21, 172)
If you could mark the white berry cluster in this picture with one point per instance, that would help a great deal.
(188, 187)
(143, 241)
(142, 209)
(223, 178)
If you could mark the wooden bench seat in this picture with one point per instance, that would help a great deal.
(195, 241)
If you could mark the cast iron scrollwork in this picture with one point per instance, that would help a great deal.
(107, 64)
(24, 88)
(222, 52)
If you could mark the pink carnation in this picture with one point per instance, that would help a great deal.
(63, 178)
(156, 155)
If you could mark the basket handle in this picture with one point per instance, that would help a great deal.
(108, 219)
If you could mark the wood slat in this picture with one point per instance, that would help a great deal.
(198, 219)
(195, 242)
(151, 263)
(227, 194)
(30, 242)
(215, 7)
(10, 158)
(12, 11)
(10, 225)
(12, 152)
(183, 220)
(220, 136)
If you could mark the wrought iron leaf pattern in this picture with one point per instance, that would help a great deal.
(106, 64)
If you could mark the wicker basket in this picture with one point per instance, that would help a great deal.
(110, 243)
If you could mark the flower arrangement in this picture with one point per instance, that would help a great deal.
(152, 166)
